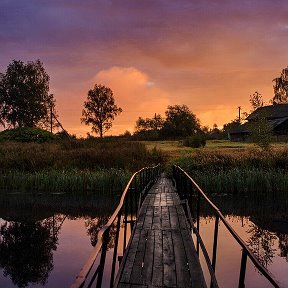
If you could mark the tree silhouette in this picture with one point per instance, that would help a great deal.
(283, 245)
(261, 243)
(24, 95)
(180, 122)
(26, 249)
(256, 100)
(94, 225)
(100, 109)
(281, 88)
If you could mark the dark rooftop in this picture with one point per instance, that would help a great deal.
(271, 112)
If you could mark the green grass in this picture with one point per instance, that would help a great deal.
(221, 168)
(93, 165)
(35, 157)
(100, 181)
(175, 149)
(72, 166)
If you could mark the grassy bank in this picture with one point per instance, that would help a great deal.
(72, 166)
(237, 170)
(100, 181)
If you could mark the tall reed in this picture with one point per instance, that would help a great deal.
(109, 180)
(243, 171)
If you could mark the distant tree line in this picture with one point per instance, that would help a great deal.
(179, 122)
(25, 101)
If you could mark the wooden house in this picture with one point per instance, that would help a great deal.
(277, 119)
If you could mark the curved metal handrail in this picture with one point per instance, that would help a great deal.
(82, 276)
(245, 248)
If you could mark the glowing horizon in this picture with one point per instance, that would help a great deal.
(208, 56)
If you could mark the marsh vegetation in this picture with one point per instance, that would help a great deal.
(64, 166)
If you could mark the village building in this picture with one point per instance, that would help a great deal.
(277, 119)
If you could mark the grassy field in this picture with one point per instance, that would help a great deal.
(230, 167)
(175, 149)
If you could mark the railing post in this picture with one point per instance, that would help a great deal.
(103, 257)
(115, 249)
(125, 226)
(131, 194)
(198, 219)
(243, 269)
(141, 181)
(215, 245)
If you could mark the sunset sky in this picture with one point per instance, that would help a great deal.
(209, 55)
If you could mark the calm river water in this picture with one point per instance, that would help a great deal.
(45, 240)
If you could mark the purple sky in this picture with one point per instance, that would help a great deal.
(209, 55)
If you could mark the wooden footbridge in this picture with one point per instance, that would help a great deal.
(148, 241)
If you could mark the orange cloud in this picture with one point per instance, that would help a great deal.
(135, 93)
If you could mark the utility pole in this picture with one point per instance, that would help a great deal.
(51, 119)
(239, 113)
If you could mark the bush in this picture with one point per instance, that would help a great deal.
(195, 141)
(26, 135)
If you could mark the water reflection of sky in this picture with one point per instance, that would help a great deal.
(229, 252)
(73, 247)
(67, 244)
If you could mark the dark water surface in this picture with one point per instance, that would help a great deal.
(45, 240)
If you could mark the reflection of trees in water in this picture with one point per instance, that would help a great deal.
(261, 243)
(26, 249)
(94, 225)
(283, 245)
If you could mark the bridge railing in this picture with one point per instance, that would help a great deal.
(114, 235)
(187, 188)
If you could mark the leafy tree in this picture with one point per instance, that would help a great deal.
(180, 122)
(24, 95)
(232, 125)
(281, 88)
(256, 100)
(261, 131)
(100, 109)
(155, 123)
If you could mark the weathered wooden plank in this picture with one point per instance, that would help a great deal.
(141, 217)
(136, 275)
(196, 274)
(165, 217)
(148, 259)
(148, 218)
(157, 275)
(169, 278)
(124, 285)
(183, 224)
(181, 262)
(156, 218)
(174, 223)
(130, 257)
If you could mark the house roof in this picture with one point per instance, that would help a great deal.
(272, 112)
(245, 128)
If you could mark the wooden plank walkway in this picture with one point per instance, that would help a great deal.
(161, 251)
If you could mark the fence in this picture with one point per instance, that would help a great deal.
(98, 272)
(188, 189)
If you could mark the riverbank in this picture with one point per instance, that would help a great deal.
(72, 166)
